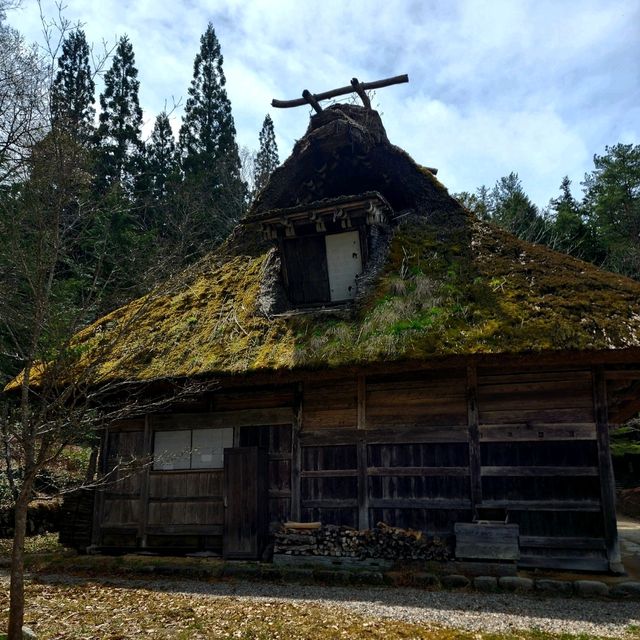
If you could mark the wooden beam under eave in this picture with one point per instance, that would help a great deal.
(363, 482)
(147, 454)
(474, 437)
(296, 453)
(362, 402)
(607, 480)
(98, 505)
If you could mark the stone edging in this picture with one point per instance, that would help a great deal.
(488, 584)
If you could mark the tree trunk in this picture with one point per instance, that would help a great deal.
(16, 597)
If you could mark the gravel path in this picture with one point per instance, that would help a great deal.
(459, 610)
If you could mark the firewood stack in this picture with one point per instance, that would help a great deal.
(383, 541)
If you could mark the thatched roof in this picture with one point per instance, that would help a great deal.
(448, 284)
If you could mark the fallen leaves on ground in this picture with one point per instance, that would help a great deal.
(93, 611)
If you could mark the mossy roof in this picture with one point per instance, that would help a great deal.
(449, 285)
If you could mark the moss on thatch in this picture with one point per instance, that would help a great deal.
(450, 285)
(471, 289)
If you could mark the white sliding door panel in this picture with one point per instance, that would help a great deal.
(344, 263)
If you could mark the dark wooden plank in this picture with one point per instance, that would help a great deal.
(330, 473)
(246, 417)
(306, 285)
(185, 529)
(543, 505)
(296, 453)
(363, 487)
(362, 402)
(328, 437)
(418, 471)
(531, 387)
(568, 564)
(576, 414)
(98, 505)
(538, 471)
(534, 376)
(536, 430)
(418, 503)
(622, 374)
(144, 483)
(278, 493)
(474, 437)
(418, 434)
(330, 503)
(542, 400)
(245, 502)
(174, 499)
(607, 480)
(486, 541)
(234, 399)
(562, 542)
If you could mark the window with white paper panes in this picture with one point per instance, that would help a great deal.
(191, 449)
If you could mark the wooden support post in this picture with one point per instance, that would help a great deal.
(363, 489)
(474, 438)
(311, 99)
(147, 459)
(607, 481)
(362, 402)
(361, 93)
(296, 453)
(98, 504)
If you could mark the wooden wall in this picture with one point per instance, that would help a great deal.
(171, 509)
(419, 450)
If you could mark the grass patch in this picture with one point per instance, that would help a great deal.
(34, 545)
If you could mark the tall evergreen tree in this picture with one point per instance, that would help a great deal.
(511, 208)
(118, 136)
(208, 149)
(160, 177)
(161, 158)
(72, 93)
(612, 204)
(267, 159)
(570, 233)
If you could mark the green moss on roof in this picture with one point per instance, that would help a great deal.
(463, 289)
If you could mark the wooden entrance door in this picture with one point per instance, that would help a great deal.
(245, 502)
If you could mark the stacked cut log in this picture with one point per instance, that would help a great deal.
(383, 541)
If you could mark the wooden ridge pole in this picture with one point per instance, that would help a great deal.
(354, 87)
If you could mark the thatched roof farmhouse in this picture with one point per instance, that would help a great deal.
(393, 358)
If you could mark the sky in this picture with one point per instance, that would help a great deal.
(536, 87)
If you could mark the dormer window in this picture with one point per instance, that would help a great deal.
(322, 267)
(324, 246)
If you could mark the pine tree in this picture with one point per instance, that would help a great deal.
(267, 159)
(511, 208)
(160, 176)
(118, 136)
(208, 149)
(612, 206)
(569, 234)
(161, 158)
(72, 96)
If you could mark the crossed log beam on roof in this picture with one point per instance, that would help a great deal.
(356, 87)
